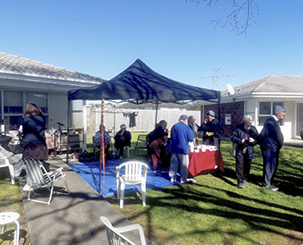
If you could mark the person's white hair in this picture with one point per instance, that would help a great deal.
(247, 118)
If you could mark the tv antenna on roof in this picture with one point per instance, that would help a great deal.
(215, 76)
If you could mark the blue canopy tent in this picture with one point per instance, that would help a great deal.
(140, 84)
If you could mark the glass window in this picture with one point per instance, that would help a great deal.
(12, 122)
(266, 110)
(13, 102)
(14, 107)
(40, 99)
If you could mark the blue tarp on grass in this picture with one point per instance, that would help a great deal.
(89, 171)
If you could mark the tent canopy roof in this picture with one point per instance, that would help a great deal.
(139, 83)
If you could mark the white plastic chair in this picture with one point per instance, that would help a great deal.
(5, 163)
(115, 237)
(40, 178)
(135, 173)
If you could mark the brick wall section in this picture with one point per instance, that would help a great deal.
(236, 109)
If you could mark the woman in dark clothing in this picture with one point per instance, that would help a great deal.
(157, 144)
(33, 127)
(244, 138)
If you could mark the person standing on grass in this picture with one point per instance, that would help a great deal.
(181, 135)
(194, 127)
(212, 129)
(271, 141)
(244, 138)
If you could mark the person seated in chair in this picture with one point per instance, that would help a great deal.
(157, 141)
(122, 139)
(13, 158)
(107, 139)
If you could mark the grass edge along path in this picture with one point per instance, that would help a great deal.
(11, 201)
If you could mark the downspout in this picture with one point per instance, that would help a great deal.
(68, 122)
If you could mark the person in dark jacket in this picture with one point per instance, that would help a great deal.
(212, 129)
(271, 141)
(157, 141)
(33, 127)
(122, 139)
(244, 138)
(34, 143)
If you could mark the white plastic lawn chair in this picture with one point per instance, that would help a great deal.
(115, 237)
(4, 163)
(40, 178)
(135, 173)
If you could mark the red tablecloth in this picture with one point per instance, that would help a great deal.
(205, 162)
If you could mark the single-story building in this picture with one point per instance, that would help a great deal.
(23, 80)
(258, 99)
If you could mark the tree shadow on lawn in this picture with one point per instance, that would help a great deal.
(290, 182)
(259, 219)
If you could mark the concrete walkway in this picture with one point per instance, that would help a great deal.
(72, 219)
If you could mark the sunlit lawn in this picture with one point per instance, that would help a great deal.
(215, 211)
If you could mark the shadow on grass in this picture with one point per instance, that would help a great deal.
(264, 218)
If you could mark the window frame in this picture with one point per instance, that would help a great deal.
(264, 116)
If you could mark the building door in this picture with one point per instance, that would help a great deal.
(299, 117)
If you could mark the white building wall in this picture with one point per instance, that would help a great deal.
(57, 110)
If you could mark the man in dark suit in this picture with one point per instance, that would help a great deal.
(271, 141)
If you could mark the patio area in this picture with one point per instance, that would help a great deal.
(72, 219)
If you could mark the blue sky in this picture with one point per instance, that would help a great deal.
(173, 37)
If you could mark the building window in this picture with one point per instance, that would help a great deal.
(266, 110)
(13, 102)
(13, 107)
(40, 99)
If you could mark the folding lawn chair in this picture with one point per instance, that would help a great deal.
(40, 178)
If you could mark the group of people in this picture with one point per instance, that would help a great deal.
(246, 136)
(122, 139)
(173, 154)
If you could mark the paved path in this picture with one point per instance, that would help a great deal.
(72, 219)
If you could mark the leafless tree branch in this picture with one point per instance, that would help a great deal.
(242, 15)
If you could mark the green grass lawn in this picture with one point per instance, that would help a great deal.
(213, 210)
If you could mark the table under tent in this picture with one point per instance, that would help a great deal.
(140, 84)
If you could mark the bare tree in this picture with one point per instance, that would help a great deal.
(241, 15)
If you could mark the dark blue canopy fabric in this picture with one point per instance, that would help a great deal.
(140, 83)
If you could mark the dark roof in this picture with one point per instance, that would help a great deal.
(271, 84)
(15, 65)
(139, 82)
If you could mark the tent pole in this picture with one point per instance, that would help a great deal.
(157, 104)
(67, 133)
(219, 117)
(102, 151)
